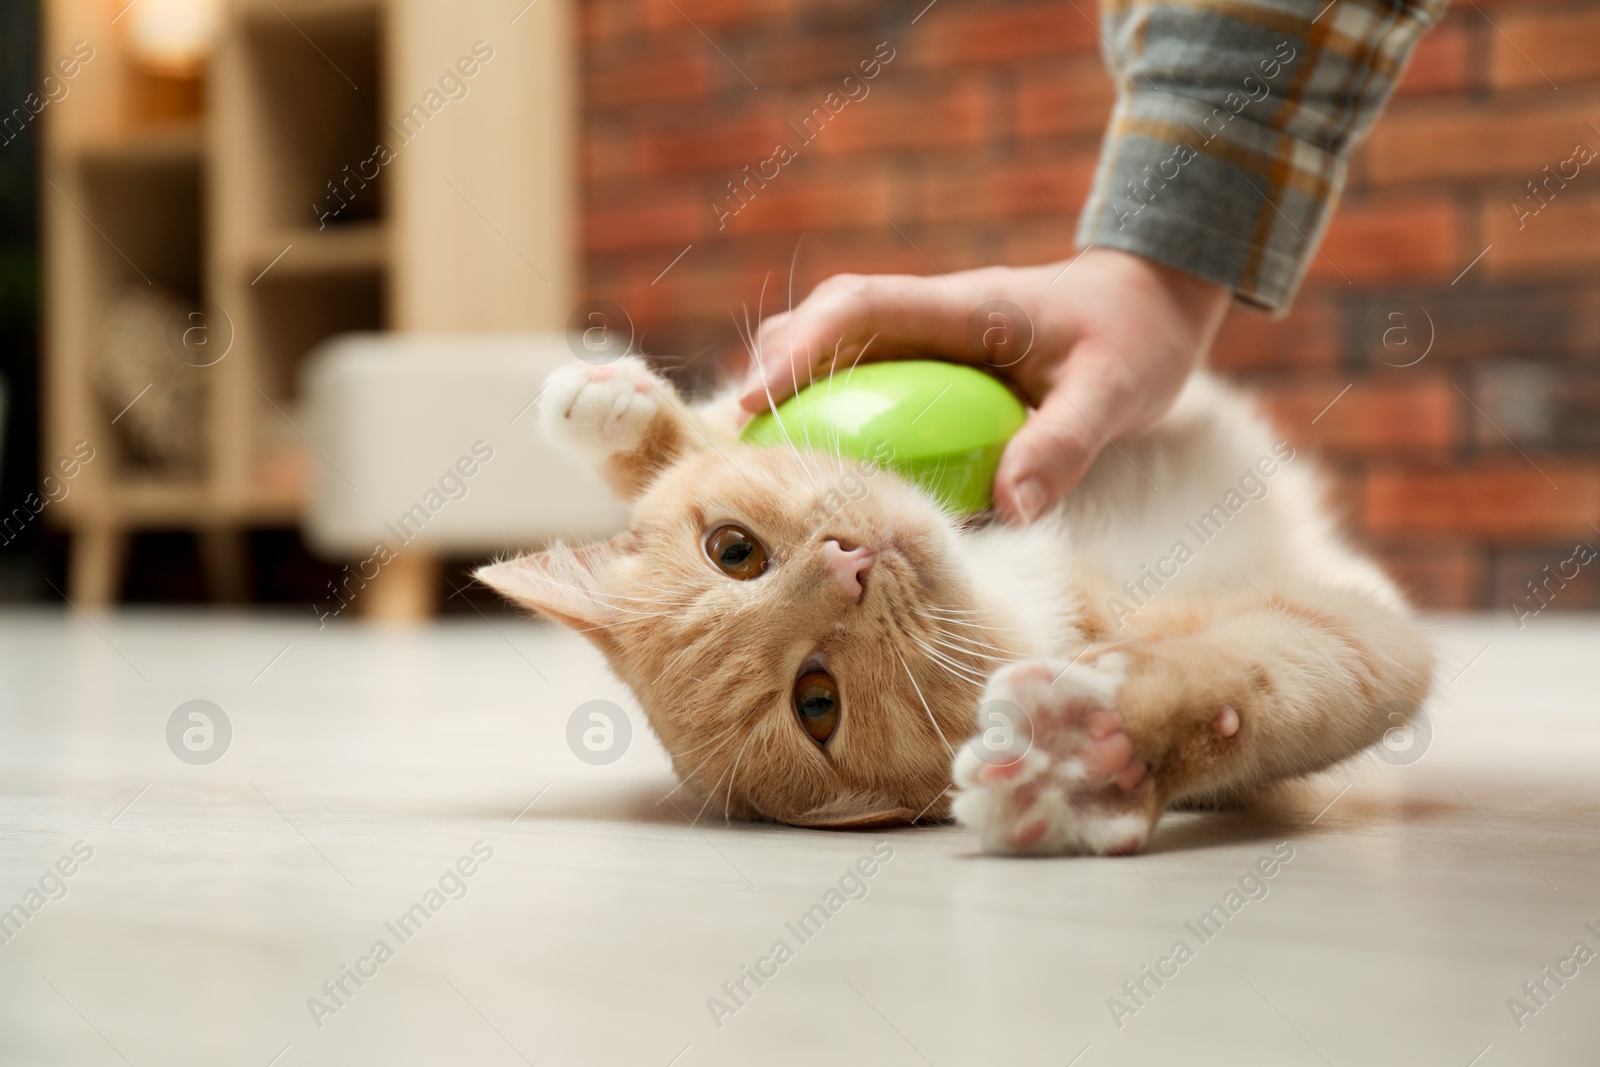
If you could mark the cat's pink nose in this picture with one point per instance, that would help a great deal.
(849, 566)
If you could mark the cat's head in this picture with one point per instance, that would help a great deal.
(797, 628)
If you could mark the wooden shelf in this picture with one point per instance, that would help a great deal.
(140, 502)
(162, 147)
(313, 13)
(352, 248)
(221, 212)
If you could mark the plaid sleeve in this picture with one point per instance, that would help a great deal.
(1227, 148)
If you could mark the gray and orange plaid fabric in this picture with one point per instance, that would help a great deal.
(1227, 148)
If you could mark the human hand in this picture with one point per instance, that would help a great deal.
(1113, 340)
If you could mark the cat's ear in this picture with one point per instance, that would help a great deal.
(566, 585)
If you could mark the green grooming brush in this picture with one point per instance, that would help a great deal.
(940, 425)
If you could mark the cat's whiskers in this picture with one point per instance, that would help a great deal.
(715, 740)
(947, 791)
(964, 650)
(978, 621)
(721, 740)
(711, 794)
(755, 345)
(945, 663)
(673, 662)
(833, 366)
(733, 777)
(793, 372)
(968, 639)
(755, 353)
(859, 355)
(924, 701)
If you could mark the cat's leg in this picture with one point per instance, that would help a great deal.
(622, 416)
(1204, 702)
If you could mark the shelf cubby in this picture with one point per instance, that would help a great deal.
(222, 192)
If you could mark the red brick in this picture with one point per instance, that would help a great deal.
(701, 286)
(727, 271)
(993, 33)
(683, 77)
(1563, 46)
(883, 252)
(1501, 500)
(1440, 575)
(607, 155)
(1069, 97)
(597, 21)
(1406, 412)
(797, 203)
(1389, 240)
(1423, 140)
(955, 115)
(1441, 63)
(1533, 321)
(727, 146)
(977, 141)
(823, 60)
(706, 15)
(1560, 580)
(1253, 340)
(1560, 237)
(1008, 190)
(643, 222)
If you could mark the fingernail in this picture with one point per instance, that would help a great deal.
(1030, 497)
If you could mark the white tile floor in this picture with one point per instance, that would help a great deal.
(364, 764)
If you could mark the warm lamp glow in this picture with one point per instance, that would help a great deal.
(173, 37)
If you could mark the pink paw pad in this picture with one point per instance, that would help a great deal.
(1108, 756)
(1227, 721)
(1081, 787)
(1131, 775)
(1000, 772)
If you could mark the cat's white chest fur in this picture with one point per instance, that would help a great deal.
(1023, 576)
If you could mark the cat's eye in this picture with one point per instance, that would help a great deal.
(736, 552)
(816, 702)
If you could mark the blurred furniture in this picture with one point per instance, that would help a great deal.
(430, 445)
(258, 196)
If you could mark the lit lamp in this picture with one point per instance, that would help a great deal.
(169, 42)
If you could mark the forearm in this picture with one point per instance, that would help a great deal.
(1227, 149)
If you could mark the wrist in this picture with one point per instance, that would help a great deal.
(1199, 298)
(1197, 303)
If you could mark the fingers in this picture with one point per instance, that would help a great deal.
(851, 317)
(1060, 441)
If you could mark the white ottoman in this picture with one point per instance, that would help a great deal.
(429, 445)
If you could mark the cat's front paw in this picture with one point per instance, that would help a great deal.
(603, 409)
(1062, 777)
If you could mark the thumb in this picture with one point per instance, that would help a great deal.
(1056, 446)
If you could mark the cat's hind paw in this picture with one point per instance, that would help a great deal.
(605, 409)
(1068, 779)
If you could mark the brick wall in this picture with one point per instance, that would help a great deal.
(1469, 472)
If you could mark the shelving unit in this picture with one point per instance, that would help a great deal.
(228, 209)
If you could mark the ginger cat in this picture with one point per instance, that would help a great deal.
(810, 636)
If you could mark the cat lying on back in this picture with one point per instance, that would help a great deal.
(813, 639)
